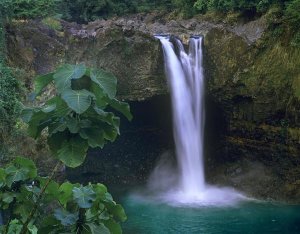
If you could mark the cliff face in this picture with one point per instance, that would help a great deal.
(134, 57)
(253, 83)
(255, 90)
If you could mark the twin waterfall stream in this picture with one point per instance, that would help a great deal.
(186, 183)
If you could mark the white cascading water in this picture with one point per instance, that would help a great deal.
(185, 77)
(186, 81)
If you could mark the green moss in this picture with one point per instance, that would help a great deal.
(296, 87)
(273, 78)
(127, 48)
(52, 23)
(9, 109)
(295, 42)
(9, 94)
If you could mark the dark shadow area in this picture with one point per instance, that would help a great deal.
(215, 127)
(131, 158)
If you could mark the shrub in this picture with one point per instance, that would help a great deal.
(35, 204)
(185, 7)
(86, 10)
(292, 13)
(9, 99)
(77, 118)
(28, 9)
(239, 5)
(296, 40)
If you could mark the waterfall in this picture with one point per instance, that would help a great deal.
(185, 78)
(186, 82)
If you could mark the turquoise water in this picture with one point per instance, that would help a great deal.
(146, 217)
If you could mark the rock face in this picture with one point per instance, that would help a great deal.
(253, 83)
(254, 89)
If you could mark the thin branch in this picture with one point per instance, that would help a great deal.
(34, 209)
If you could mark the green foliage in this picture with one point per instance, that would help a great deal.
(9, 103)
(52, 23)
(277, 9)
(201, 6)
(296, 40)
(28, 9)
(243, 6)
(77, 118)
(88, 10)
(84, 11)
(230, 5)
(296, 87)
(292, 13)
(185, 7)
(9, 89)
(43, 206)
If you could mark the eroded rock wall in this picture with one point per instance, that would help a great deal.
(255, 90)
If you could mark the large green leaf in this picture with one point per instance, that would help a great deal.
(100, 190)
(110, 132)
(37, 123)
(59, 126)
(84, 196)
(95, 136)
(78, 100)
(113, 226)
(51, 190)
(55, 141)
(15, 174)
(15, 227)
(106, 80)
(97, 229)
(32, 229)
(20, 169)
(66, 218)
(107, 117)
(41, 82)
(26, 164)
(73, 125)
(61, 109)
(49, 225)
(67, 72)
(65, 193)
(122, 107)
(117, 211)
(85, 123)
(99, 95)
(23, 207)
(73, 151)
